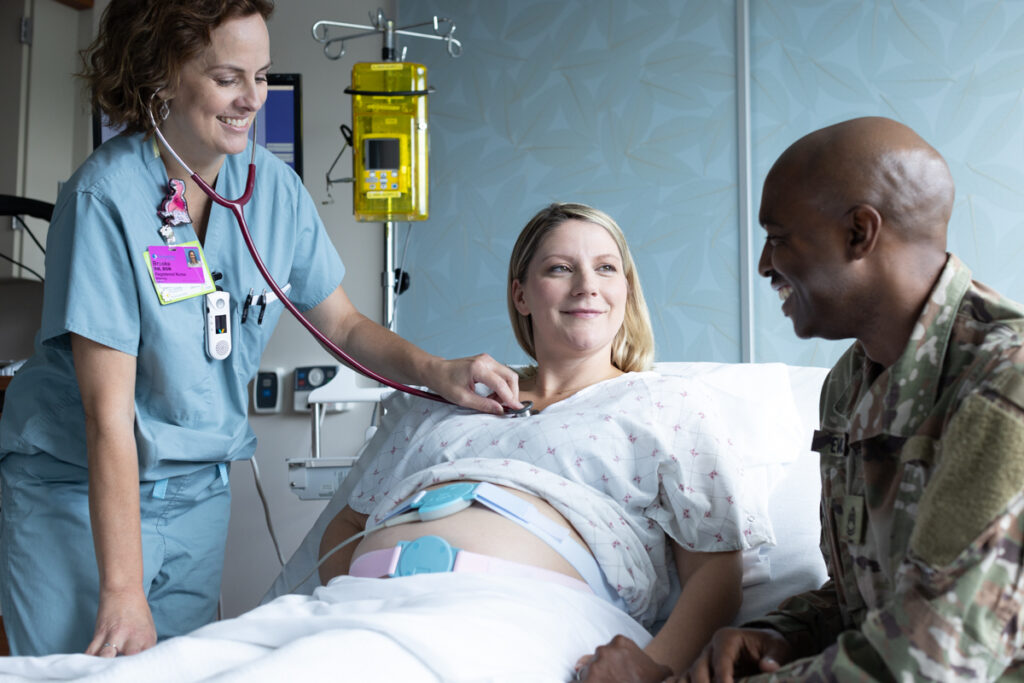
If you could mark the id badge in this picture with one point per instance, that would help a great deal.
(179, 271)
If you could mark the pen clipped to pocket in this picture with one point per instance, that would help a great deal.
(259, 302)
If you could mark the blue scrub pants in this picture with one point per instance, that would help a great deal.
(49, 583)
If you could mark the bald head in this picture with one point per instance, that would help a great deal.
(878, 162)
(855, 217)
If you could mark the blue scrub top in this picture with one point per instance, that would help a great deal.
(190, 411)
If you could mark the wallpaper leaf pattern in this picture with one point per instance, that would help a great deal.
(630, 107)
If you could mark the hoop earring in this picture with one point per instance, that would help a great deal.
(164, 110)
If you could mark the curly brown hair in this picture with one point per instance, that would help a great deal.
(142, 46)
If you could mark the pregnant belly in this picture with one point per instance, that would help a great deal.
(479, 530)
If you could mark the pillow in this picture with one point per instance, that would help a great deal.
(756, 401)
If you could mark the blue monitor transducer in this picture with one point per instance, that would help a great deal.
(279, 122)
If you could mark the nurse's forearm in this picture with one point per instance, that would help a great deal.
(386, 353)
(114, 511)
(456, 380)
(106, 381)
(124, 623)
(371, 344)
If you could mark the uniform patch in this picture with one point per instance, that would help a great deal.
(853, 519)
(981, 470)
(919, 448)
(1012, 388)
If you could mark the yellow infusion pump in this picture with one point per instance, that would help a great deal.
(389, 141)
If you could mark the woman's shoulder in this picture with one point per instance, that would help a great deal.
(656, 381)
(636, 383)
(123, 156)
(108, 174)
(685, 393)
(408, 409)
(629, 391)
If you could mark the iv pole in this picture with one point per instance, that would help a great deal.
(386, 27)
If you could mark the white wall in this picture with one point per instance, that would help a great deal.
(38, 110)
(53, 108)
(14, 85)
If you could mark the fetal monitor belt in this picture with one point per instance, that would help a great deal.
(447, 500)
(433, 554)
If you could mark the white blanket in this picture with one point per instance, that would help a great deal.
(434, 627)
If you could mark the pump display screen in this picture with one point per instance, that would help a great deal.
(382, 153)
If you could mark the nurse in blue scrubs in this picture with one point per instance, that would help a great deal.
(117, 433)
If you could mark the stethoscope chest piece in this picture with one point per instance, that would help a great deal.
(525, 411)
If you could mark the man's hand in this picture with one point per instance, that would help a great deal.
(620, 661)
(740, 652)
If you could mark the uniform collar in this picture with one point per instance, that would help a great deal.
(230, 180)
(899, 398)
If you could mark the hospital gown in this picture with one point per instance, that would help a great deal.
(627, 461)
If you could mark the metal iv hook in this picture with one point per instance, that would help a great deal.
(380, 24)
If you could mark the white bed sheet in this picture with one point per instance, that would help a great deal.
(435, 627)
(465, 627)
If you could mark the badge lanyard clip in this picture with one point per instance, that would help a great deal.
(173, 210)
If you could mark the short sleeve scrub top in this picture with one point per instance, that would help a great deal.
(190, 410)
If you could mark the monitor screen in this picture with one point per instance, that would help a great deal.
(279, 122)
(382, 153)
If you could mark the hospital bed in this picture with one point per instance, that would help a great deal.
(469, 627)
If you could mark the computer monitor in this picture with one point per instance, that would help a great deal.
(279, 122)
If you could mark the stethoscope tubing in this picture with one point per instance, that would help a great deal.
(236, 208)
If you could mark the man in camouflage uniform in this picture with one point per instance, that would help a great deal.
(922, 430)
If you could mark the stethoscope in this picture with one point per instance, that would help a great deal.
(236, 206)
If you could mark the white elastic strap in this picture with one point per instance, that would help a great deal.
(526, 515)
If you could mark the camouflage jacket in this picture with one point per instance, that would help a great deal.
(922, 468)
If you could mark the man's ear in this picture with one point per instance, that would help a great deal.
(864, 223)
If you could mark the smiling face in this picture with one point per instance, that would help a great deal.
(219, 93)
(574, 291)
(805, 257)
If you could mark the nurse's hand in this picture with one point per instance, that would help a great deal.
(456, 381)
(124, 624)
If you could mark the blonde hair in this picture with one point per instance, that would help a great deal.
(633, 346)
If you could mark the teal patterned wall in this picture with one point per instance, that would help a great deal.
(953, 70)
(631, 107)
